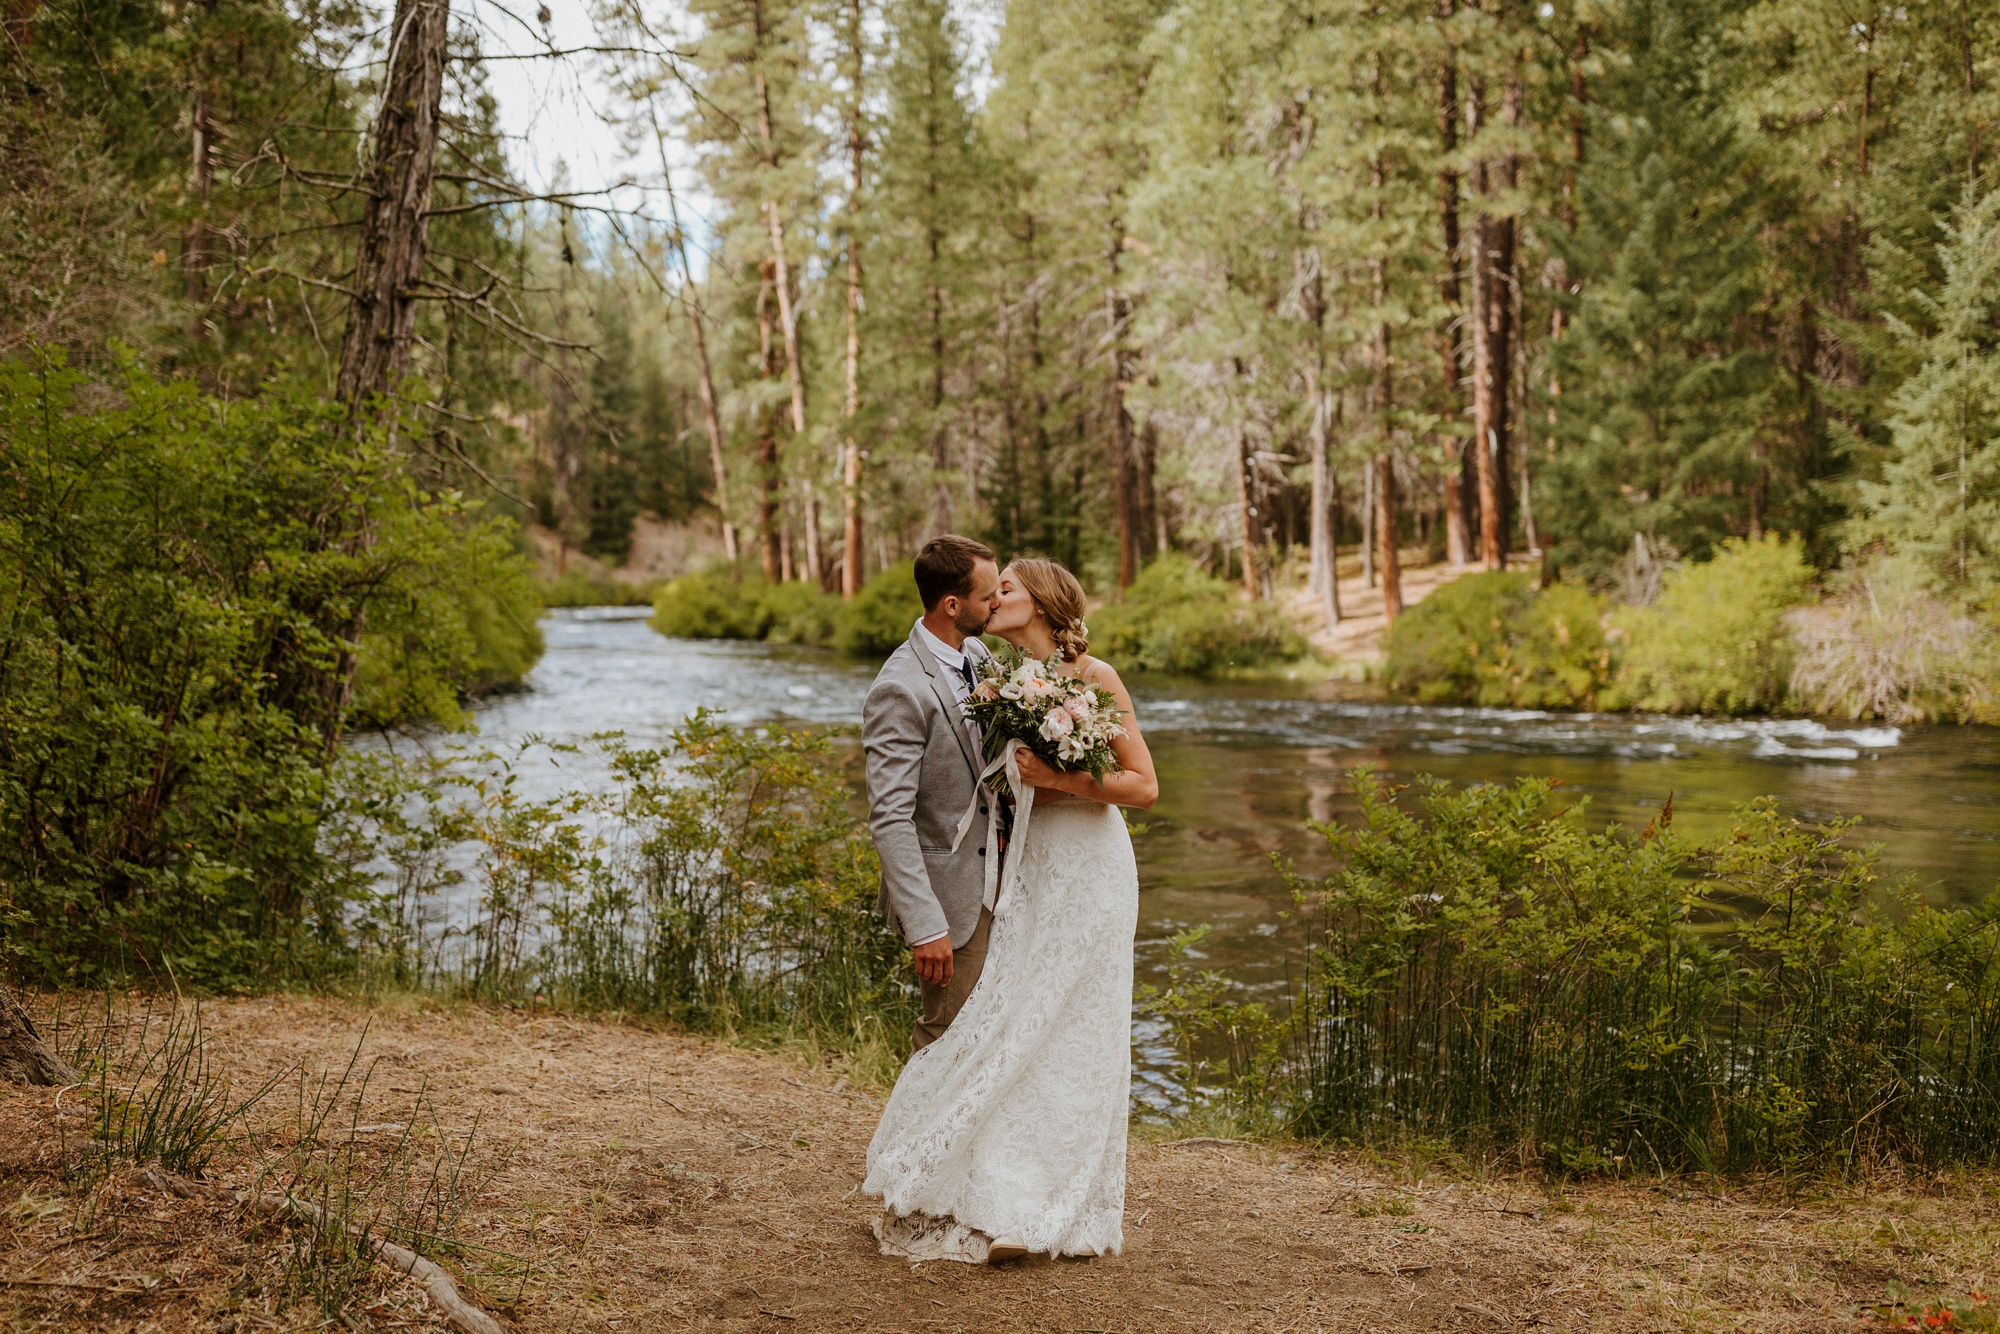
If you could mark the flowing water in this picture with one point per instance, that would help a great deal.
(1243, 767)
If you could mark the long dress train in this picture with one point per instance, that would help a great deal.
(1014, 1120)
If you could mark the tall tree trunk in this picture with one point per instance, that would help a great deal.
(711, 412)
(201, 178)
(940, 442)
(777, 559)
(1152, 519)
(24, 1057)
(389, 260)
(1322, 579)
(774, 222)
(1493, 280)
(1385, 400)
(1457, 535)
(1117, 312)
(1385, 534)
(1368, 523)
(850, 472)
(1245, 497)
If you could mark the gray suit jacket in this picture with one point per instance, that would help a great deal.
(923, 768)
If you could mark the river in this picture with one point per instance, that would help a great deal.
(1243, 767)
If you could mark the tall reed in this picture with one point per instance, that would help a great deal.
(721, 880)
(1489, 972)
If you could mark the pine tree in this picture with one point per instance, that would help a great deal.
(1939, 496)
(1666, 388)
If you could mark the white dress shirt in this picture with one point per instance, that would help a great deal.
(954, 660)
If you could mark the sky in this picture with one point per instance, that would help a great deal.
(560, 115)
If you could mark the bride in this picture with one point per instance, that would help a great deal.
(1006, 1135)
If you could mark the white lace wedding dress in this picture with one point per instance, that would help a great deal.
(1014, 1120)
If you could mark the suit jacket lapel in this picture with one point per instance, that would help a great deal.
(948, 697)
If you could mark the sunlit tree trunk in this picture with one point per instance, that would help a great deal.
(1493, 279)
(711, 412)
(850, 473)
(782, 281)
(1117, 310)
(776, 558)
(1457, 538)
(1245, 497)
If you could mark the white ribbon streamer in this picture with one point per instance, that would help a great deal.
(1024, 802)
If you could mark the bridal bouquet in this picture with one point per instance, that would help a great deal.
(1068, 722)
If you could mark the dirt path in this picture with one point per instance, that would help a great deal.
(660, 1182)
(1358, 637)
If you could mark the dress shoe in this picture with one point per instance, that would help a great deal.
(1005, 1247)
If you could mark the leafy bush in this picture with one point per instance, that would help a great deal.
(879, 616)
(718, 603)
(1886, 646)
(722, 603)
(1715, 642)
(593, 588)
(1495, 640)
(180, 583)
(798, 613)
(1489, 974)
(466, 627)
(1176, 617)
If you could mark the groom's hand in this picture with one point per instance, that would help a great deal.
(933, 961)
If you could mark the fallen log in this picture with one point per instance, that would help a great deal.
(443, 1291)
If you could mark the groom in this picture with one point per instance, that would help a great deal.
(923, 764)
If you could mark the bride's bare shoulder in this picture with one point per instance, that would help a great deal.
(1099, 672)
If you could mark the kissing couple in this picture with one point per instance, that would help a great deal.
(1005, 1135)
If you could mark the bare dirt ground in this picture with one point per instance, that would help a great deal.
(654, 1181)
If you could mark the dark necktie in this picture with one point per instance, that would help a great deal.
(965, 671)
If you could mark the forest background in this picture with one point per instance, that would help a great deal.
(1677, 317)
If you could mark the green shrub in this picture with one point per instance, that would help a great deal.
(468, 627)
(180, 581)
(1491, 974)
(880, 614)
(1176, 617)
(799, 613)
(1496, 641)
(721, 603)
(593, 588)
(718, 603)
(1715, 641)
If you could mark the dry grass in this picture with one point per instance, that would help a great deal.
(656, 1181)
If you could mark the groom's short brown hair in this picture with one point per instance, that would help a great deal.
(944, 567)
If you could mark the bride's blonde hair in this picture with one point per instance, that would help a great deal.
(1056, 591)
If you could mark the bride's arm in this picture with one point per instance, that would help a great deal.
(1135, 784)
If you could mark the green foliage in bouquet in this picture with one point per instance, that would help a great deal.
(1176, 617)
(1496, 641)
(1017, 693)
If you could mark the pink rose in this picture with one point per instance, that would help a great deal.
(1078, 708)
(1057, 725)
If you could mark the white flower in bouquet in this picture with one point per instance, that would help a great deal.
(1069, 722)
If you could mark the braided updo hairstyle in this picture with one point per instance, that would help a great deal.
(1056, 591)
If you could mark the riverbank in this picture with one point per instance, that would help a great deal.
(632, 1179)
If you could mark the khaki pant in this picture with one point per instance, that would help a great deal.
(942, 1004)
